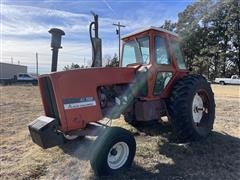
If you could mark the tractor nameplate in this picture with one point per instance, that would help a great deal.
(74, 103)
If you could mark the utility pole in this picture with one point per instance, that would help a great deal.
(118, 32)
(37, 63)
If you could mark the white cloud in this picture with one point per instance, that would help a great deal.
(24, 32)
(28, 20)
(25, 50)
(20, 23)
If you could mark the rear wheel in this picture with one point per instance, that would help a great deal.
(192, 108)
(222, 83)
(130, 118)
(113, 151)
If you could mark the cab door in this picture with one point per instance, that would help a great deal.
(163, 64)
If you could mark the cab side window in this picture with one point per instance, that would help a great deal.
(161, 53)
(178, 54)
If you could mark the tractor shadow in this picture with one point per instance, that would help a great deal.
(82, 147)
(79, 148)
(157, 128)
(216, 157)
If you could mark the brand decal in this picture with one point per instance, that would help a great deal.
(74, 103)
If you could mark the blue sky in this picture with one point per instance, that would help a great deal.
(25, 25)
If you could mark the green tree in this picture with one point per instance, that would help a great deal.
(113, 62)
(209, 31)
(72, 66)
(234, 35)
(169, 25)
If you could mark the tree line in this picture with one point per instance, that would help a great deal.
(210, 37)
(109, 62)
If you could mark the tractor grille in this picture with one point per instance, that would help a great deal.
(50, 99)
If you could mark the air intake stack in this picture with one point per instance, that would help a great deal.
(55, 44)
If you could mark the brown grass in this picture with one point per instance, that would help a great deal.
(158, 155)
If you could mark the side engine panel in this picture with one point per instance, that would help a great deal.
(76, 96)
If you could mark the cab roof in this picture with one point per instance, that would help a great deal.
(150, 28)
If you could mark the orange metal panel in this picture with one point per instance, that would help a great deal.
(83, 83)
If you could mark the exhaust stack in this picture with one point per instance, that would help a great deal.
(96, 42)
(55, 44)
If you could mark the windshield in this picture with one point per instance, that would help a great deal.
(136, 51)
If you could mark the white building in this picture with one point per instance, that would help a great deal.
(8, 71)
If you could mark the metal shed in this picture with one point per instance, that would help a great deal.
(7, 71)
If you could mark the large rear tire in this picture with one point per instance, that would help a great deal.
(113, 151)
(192, 108)
(130, 118)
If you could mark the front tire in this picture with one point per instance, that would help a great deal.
(113, 151)
(192, 108)
(70, 137)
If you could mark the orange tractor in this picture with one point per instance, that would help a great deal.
(151, 82)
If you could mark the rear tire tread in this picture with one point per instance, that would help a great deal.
(178, 106)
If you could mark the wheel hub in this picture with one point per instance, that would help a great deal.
(113, 152)
(197, 108)
(118, 155)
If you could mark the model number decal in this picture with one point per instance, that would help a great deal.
(74, 103)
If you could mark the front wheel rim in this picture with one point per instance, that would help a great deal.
(118, 155)
(70, 137)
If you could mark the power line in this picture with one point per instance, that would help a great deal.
(118, 32)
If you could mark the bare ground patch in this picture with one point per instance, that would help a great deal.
(158, 156)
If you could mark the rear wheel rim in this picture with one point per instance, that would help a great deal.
(201, 111)
(118, 155)
(197, 108)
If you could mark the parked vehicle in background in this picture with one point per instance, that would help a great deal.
(8, 71)
(20, 78)
(233, 80)
(26, 78)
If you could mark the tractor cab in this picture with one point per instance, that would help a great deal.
(158, 53)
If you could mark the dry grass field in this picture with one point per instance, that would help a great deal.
(158, 155)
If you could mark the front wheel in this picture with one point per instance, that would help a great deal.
(192, 108)
(70, 137)
(113, 151)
